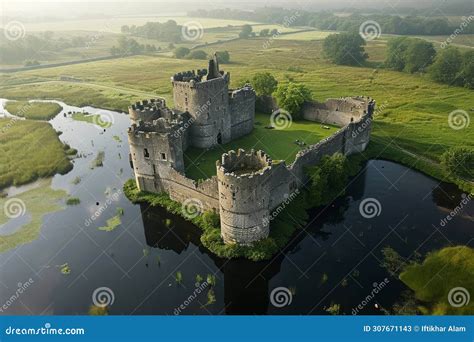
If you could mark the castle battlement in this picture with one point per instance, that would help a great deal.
(249, 186)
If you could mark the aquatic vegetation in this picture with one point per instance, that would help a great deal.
(179, 277)
(334, 309)
(76, 180)
(117, 138)
(112, 223)
(73, 201)
(168, 222)
(37, 203)
(324, 278)
(98, 160)
(146, 251)
(98, 310)
(211, 279)
(95, 119)
(120, 211)
(65, 269)
(199, 279)
(211, 297)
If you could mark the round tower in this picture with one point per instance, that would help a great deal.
(244, 196)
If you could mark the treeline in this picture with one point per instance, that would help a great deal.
(169, 31)
(37, 46)
(129, 46)
(412, 55)
(409, 25)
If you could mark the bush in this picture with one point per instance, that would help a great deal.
(345, 49)
(447, 66)
(223, 57)
(328, 179)
(459, 161)
(181, 52)
(246, 31)
(291, 97)
(197, 54)
(264, 83)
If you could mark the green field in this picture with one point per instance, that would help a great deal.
(278, 143)
(33, 110)
(439, 273)
(29, 150)
(411, 125)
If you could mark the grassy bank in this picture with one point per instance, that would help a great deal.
(440, 272)
(282, 227)
(35, 204)
(30, 150)
(33, 110)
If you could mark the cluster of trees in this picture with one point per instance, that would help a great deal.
(289, 96)
(459, 161)
(345, 49)
(406, 25)
(169, 31)
(37, 46)
(183, 52)
(448, 66)
(129, 46)
(246, 32)
(268, 32)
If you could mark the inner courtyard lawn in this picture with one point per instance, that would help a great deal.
(280, 144)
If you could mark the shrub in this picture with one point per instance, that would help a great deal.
(459, 161)
(181, 52)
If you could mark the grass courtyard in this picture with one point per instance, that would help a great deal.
(278, 143)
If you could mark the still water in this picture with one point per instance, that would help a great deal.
(335, 260)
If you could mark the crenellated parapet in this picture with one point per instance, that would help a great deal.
(149, 110)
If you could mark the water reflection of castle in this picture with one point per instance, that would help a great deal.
(246, 283)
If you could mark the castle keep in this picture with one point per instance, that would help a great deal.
(248, 185)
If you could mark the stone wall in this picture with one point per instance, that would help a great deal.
(339, 112)
(242, 108)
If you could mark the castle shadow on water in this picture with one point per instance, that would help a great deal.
(248, 185)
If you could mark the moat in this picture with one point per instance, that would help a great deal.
(335, 261)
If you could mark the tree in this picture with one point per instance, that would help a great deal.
(197, 54)
(446, 67)
(264, 33)
(327, 180)
(223, 56)
(419, 56)
(291, 97)
(181, 52)
(345, 49)
(246, 31)
(396, 53)
(264, 83)
(125, 29)
(459, 161)
(467, 71)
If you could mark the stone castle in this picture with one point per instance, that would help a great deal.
(248, 186)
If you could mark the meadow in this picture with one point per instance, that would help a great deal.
(33, 110)
(411, 123)
(30, 150)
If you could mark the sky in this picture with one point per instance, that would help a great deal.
(69, 8)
